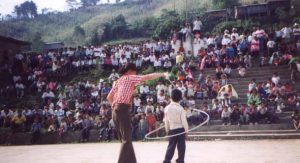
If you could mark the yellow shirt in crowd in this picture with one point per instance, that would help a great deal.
(19, 119)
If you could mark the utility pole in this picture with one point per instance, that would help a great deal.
(174, 3)
(186, 12)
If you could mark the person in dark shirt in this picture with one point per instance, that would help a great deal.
(36, 131)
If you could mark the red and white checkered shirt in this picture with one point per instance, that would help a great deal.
(124, 88)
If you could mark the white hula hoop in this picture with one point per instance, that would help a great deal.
(147, 136)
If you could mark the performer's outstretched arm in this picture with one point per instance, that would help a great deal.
(153, 76)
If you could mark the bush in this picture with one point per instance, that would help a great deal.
(149, 70)
(241, 25)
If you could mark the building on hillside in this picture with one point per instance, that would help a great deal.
(53, 45)
(10, 46)
(261, 10)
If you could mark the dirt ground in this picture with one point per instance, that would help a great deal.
(250, 151)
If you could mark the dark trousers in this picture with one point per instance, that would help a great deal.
(178, 141)
(121, 118)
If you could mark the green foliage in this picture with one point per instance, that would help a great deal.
(37, 42)
(221, 4)
(86, 3)
(116, 29)
(281, 14)
(72, 4)
(27, 9)
(149, 70)
(169, 20)
(241, 25)
(95, 40)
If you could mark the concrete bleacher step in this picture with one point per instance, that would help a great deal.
(242, 132)
(286, 126)
(260, 131)
(283, 135)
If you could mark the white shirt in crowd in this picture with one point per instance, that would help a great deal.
(197, 25)
(144, 89)
(275, 79)
(271, 44)
(175, 117)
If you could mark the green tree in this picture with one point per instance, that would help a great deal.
(168, 21)
(86, 3)
(116, 29)
(95, 40)
(26, 10)
(222, 4)
(79, 31)
(37, 42)
(72, 4)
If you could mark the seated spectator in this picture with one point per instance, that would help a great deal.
(253, 114)
(253, 98)
(241, 71)
(18, 122)
(219, 72)
(245, 112)
(227, 71)
(296, 119)
(225, 116)
(263, 113)
(275, 78)
(235, 115)
(161, 98)
(6, 116)
(113, 76)
(144, 91)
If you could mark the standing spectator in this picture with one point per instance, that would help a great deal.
(87, 125)
(150, 121)
(197, 25)
(36, 131)
(271, 47)
(296, 32)
(143, 127)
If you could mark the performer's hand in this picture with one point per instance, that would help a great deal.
(167, 75)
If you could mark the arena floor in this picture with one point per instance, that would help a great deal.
(254, 151)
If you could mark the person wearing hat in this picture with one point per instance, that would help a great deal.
(120, 98)
(234, 34)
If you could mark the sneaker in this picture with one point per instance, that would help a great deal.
(256, 123)
(250, 123)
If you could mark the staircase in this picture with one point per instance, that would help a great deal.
(261, 74)
(215, 130)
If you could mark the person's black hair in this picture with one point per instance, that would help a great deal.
(127, 67)
(176, 95)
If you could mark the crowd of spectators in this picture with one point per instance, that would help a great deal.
(82, 105)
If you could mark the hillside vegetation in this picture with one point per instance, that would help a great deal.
(84, 25)
(60, 26)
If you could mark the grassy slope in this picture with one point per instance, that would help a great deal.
(60, 26)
